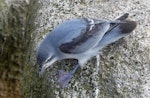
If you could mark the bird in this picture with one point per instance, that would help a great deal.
(80, 39)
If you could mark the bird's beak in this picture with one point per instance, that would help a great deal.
(41, 72)
(45, 66)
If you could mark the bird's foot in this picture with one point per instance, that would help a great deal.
(63, 78)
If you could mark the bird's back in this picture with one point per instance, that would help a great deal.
(69, 27)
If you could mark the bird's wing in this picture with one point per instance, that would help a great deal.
(116, 32)
(83, 38)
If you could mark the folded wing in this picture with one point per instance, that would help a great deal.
(84, 38)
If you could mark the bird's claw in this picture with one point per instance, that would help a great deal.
(63, 78)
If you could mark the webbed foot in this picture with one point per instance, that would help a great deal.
(63, 78)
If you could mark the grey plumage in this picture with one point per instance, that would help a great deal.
(81, 39)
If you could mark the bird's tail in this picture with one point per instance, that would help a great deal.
(117, 31)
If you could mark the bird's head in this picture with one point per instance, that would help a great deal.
(45, 56)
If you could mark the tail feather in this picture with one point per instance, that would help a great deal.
(117, 31)
(113, 25)
(123, 17)
(128, 26)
